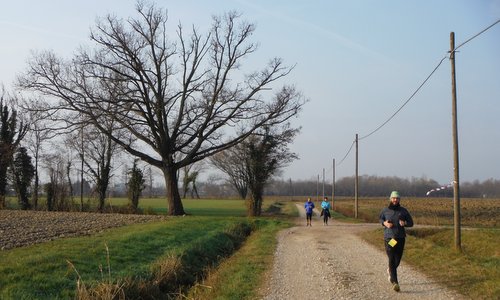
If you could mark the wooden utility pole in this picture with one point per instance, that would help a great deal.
(456, 182)
(323, 183)
(333, 182)
(356, 182)
(81, 172)
(317, 189)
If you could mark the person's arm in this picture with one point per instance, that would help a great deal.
(386, 223)
(381, 218)
(409, 220)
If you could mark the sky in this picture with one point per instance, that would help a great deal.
(357, 62)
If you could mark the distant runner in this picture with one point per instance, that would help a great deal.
(325, 211)
(309, 206)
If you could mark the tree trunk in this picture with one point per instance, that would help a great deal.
(175, 207)
(254, 208)
(35, 189)
(102, 189)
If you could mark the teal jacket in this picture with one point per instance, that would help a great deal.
(325, 205)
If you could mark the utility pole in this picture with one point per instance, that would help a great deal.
(333, 182)
(81, 171)
(317, 189)
(456, 183)
(323, 183)
(356, 186)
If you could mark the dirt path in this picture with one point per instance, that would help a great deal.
(332, 262)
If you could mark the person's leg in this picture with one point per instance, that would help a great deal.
(398, 252)
(390, 251)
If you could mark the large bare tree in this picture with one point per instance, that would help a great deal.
(177, 99)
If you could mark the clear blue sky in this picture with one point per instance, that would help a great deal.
(357, 62)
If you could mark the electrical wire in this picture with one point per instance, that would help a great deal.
(428, 77)
(345, 156)
(475, 36)
(417, 90)
(404, 104)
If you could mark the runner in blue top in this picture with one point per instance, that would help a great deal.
(309, 206)
(325, 210)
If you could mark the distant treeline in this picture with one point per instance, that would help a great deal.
(375, 186)
(369, 186)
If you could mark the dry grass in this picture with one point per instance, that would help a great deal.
(429, 211)
(104, 290)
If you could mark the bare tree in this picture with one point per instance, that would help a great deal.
(231, 163)
(98, 150)
(174, 102)
(190, 175)
(57, 187)
(39, 132)
(256, 160)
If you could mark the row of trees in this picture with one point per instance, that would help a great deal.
(170, 100)
(17, 170)
(379, 186)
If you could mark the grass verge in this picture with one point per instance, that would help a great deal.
(135, 255)
(238, 276)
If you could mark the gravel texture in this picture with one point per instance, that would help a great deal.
(332, 262)
(20, 228)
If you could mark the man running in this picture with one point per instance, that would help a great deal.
(395, 219)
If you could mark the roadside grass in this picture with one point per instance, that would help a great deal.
(239, 275)
(42, 271)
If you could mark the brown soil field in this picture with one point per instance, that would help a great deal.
(20, 228)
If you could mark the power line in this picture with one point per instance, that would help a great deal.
(418, 89)
(411, 97)
(478, 34)
(428, 77)
(345, 156)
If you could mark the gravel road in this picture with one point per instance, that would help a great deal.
(20, 228)
(332, 262)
